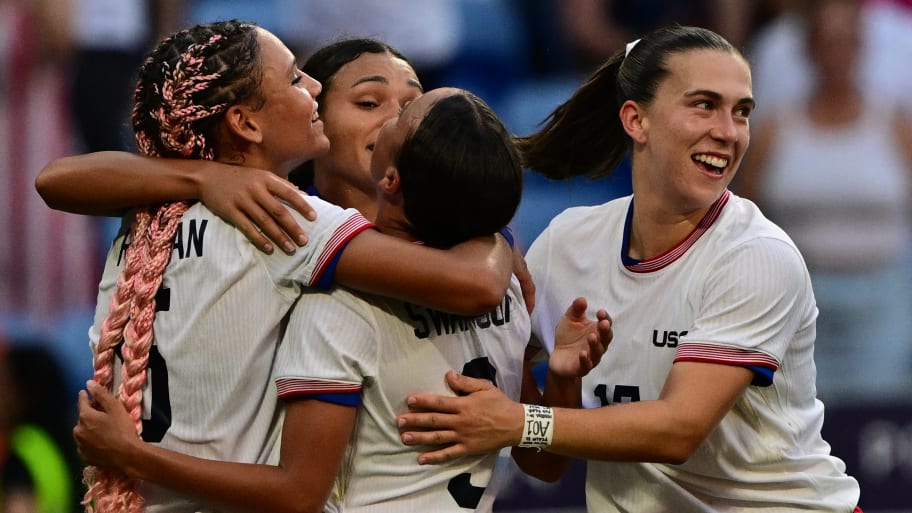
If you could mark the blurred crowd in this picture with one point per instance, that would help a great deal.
(830, 159)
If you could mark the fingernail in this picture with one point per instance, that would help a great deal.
(289, 247)
(400, 422)
(410, 401)
(407, 438)
(302, 239)
(267, 248)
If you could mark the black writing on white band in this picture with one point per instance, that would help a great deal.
(538, 429)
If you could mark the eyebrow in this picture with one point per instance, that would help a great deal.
(383, 80)
(747, 100)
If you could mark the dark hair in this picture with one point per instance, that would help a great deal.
(188, 81)
(584, 135)
(460, 173)
(322, 66)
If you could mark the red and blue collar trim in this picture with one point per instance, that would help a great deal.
(666, 258)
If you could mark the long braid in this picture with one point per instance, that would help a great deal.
(184, 85)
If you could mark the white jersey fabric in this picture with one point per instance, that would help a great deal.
(221, 310)
(735, 292)
(387, 349)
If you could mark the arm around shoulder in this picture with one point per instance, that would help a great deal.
(110, 182)
(468, 279)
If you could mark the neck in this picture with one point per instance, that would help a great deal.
(254, 161)
(391, 221)
(654, 231)
(346, 195)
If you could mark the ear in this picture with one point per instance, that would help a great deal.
(390, 183)
(635, 122)
(242, 122)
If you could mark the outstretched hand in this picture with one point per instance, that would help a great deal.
(579, 342)
(252, 201)
(105, 432)
(483, 420)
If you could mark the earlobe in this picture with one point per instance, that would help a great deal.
(242, 124)
(634, 122)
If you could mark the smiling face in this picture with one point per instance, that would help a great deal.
(292, 132)
(689, 141)
(359, 99)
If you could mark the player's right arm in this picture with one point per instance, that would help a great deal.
(468, 279)
(111, 182)
(314, 440)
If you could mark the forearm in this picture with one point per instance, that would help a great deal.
(643, 431)
(236, 486)
(469, 279)
(108, 183)
(543, 465)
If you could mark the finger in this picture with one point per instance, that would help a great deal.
(429, 402)
(104, 400)
(275, 203)
(577, 309)
(437, 438)
(265, 219)
(441, 455)
(293, 196)
(83, 403)
(605, 332)
(253, 234)
(596, 348)
(423, 421)
(465, 385)
(585, 365)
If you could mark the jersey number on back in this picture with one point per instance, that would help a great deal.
(461, 489)
(155, 427)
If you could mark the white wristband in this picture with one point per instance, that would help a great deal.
(538, 428)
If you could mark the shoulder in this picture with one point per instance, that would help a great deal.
(584, 223)
(747, 238)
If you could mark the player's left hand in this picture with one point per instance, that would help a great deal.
(484, 420)
(579, 342)
(105, 431)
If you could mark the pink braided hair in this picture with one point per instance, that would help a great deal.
(132, 307)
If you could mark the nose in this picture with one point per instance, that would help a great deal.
(726, 128)
(313, 86)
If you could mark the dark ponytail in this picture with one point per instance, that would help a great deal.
(584, 135)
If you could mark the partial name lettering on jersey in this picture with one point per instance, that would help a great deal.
(429, 322)
(188, 240)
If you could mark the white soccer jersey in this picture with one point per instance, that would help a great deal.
(387, 349)
(735, 292)
(220, 315)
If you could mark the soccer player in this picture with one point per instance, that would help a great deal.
(446, 152)
(230, 91)
(705, 399)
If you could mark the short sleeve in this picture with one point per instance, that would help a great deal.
(327, 235)
(329, 347)
(754, 301)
